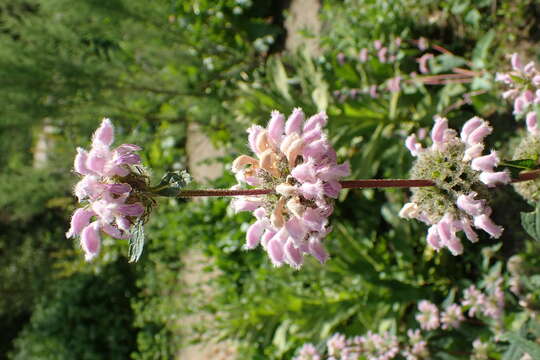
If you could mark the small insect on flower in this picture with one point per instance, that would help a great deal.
(295, 158)
(461, 175)
(114, 190)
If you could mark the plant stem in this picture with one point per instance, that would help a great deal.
(346, 184)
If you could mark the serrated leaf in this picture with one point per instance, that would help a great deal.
(531, 348)
(531, 222)
(136, 242)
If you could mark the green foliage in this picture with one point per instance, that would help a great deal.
(83, 317)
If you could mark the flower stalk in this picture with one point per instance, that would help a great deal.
(345, 184)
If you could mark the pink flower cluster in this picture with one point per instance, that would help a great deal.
(295, 158)
(373, 346)
(462, 208)
(429, 318)
(489, 304)
(109, 203)
(524, 89)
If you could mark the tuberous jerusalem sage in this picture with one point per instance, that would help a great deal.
(296, 160)
(461, 175)
(112, 191)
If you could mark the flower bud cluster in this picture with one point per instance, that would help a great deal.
(524, 89)
(112, 205)
(461, 174)
(295, 158)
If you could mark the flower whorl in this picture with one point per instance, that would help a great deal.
(108, 188)
(295, 158)
(461, 175)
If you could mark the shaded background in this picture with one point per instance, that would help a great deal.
(184, 79)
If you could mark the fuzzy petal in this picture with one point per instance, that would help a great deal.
(294, 122)
(253, 235)
(275, 128)
(104, 134)
(91, 241)
(485, 223)
(80, 219)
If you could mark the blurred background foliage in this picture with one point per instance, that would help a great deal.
(155, 67)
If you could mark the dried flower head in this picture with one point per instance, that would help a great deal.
(112, 188)
(295, 158)
(461, 175)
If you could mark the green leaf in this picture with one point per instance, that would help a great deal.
(531, 348)
(531, 222)
(526, 164)
(481, 50)
(136, 242)
(446, 62)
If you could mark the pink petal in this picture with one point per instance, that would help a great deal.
(296, 228)
(332, 189)
(253, 131)
(123, 223)
(118, 188)
(316, 249)
(437, 133)
(318, 120)
(132, 159)
(493, 178)
(294, 122)
(293, 255)
(80, 219)
(433, 238)
(104, 134)
(313, 135)
(275, 251)
(80, 162)
(485, 163)
(471, 125)
(473, 152)
(316, 149)
(312, 191)
(484, 222)
(91, 241)
(305, 172)
(127, 148)
(131, 209)
(532, 125)
(243, 204)
(478, 134)
(97, 159)
(253, 235)
(335, 172)
(413, 145)
(471, 206)
(267, 236)
(516, 61)
(275, 128)
(468, 230)
(314, 220)
(113, 231)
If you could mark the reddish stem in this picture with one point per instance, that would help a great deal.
(346, 184)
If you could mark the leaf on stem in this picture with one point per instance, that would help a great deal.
(531, 222)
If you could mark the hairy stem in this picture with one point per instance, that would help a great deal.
(346, 184)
